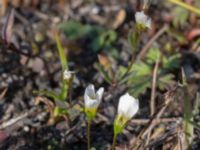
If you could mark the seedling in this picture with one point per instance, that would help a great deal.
(67, 78)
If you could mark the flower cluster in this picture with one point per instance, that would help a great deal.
(142, 21)
(127, 108)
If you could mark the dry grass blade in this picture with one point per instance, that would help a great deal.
(12, 121)
(157, 121)
(153, 91)
(162, 138)
(3, 7)
(3, 93)
(7, 28)
(50, 105)
(121, 16)
(104, 61)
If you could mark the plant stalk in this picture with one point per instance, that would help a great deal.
(88, 134)
(114, 141)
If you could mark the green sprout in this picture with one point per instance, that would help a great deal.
(65, 84)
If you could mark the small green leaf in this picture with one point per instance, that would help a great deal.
(165, 80)
(140, 85)
(194, 124)
(72, 29)
(107, 38)
(179, 36)
(141, 69)
(153, 55)
(172, 62)
(180, 16)
(58, 112)
(47, 93)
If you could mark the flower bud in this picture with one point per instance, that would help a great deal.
(92, 100)
(142, 21)
(128, 106)
(67, 75)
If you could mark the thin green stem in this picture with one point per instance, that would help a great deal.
(132, 57)
(114, 141)
(88, 134)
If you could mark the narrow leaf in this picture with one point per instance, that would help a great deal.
(47, 93)
(61, 52)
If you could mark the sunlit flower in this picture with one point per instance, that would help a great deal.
(67, 74)
(128, 106)
(142, 20)
(92, 100)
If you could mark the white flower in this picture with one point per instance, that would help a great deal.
(92, 99)
(128, 106)
(67, 74)
(142, 19)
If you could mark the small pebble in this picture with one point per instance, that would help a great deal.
(21, 78)
(95, 10)
(4, 75)
(15, 78)
(26, 129)
(9, 80)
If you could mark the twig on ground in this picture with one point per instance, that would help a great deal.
(170, 133)
(16, 119)
(153, 91)
(3, 93)
(13, 121)
(137, 143)
(155, 121)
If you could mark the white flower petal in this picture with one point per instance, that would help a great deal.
(99, 93)
(143, 19)
(91, 103)
(148, 23)
(92, 99)
(90, 91)
(128, 106)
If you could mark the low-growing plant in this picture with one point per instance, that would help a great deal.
(141, 73)
(137, 76)
(97, 37)
(67, 77)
